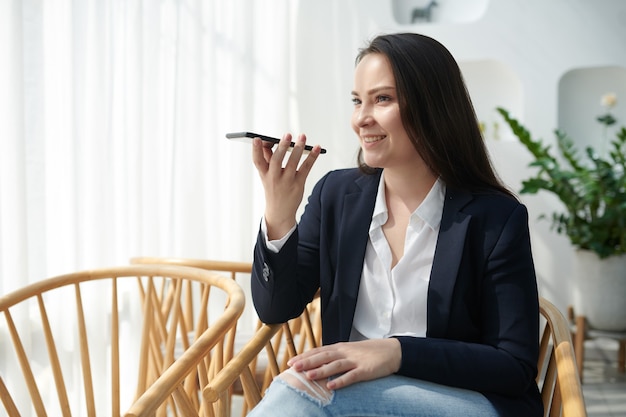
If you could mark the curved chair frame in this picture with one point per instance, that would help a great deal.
(158, 290)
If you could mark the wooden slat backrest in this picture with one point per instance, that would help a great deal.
(558, 376)
(79, 352)
(301, 333)
(231, 268)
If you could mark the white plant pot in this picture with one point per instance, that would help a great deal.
(600, 290)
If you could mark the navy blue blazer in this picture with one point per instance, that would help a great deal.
(482, 303)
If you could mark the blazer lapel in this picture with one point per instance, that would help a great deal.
(447, 260)
(355, 222)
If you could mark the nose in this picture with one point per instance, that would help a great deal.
(363, 115)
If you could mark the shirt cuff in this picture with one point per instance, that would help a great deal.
(275, 245)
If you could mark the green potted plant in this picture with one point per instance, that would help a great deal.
(592, 189)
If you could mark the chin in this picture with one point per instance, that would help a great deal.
(373, 163)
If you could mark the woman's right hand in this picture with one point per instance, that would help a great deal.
(284, 186)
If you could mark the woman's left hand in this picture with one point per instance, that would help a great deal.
(350, 362)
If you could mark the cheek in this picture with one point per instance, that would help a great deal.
(390, 117)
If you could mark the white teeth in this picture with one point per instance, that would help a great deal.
(372, 139)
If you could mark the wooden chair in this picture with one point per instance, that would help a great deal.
(279, 343)
(558, 376)
(93, 342)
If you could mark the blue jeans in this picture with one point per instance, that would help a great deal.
(392, 396)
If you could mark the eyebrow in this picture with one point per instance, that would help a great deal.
(374, 90)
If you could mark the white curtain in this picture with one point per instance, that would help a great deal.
(112, 122)
(113, 115)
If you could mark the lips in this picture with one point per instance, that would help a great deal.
(372, 139)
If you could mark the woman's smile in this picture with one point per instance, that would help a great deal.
(372, 139)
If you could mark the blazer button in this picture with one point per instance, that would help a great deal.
(266, 272)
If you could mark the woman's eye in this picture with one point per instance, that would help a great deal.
(355, 101)
(382, 98)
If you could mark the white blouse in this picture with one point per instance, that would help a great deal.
(392, 302)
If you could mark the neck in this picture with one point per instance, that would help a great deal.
(409, 187)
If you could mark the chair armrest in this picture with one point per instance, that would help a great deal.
(569, 381)
(238, 365)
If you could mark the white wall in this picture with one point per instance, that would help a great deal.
(513, 54)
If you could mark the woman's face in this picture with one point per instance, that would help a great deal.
(376, 117)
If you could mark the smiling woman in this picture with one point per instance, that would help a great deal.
(421, 256)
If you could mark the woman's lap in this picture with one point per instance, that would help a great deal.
(392, 396)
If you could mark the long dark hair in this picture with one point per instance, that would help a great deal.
(436, 111)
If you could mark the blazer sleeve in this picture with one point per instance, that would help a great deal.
(503, 358)
(284, 283)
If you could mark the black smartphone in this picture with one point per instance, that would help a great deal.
(248, 136)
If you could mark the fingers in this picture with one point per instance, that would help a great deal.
(296, 153)
(307, 164)
(344, 371)
(260, 155)
(310, 360)
(322, 362)
(293, 163)
(265, 158)
(341, 381)
(276, 162)
(350, 362)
